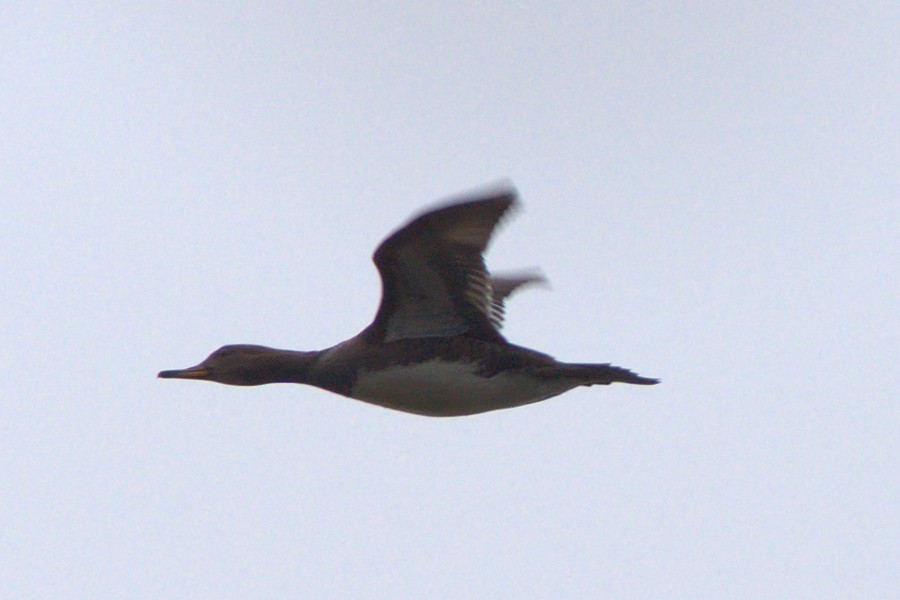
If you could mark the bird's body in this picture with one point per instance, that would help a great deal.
(434, 347)
(441, 388)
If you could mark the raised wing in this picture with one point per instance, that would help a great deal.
(433, 277)
(503, 286)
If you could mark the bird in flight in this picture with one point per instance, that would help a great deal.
(435, 346)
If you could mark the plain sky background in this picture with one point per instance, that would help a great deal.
(711, 188)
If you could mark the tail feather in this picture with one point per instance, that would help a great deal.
(605, 374)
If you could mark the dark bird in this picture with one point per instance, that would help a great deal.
(435, 346)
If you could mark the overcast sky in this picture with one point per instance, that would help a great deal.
(712, 191)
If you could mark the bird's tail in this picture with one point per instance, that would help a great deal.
(594, 374)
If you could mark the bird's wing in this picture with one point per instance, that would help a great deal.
(433, 277)
(503, 286)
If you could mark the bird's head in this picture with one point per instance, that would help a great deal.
(236, 364)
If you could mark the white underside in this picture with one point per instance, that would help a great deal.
(439, 388)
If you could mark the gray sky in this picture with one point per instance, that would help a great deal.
(711, 191)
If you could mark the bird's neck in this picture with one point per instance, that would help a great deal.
(288, 366)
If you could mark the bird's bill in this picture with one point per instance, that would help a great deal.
(198, 372)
